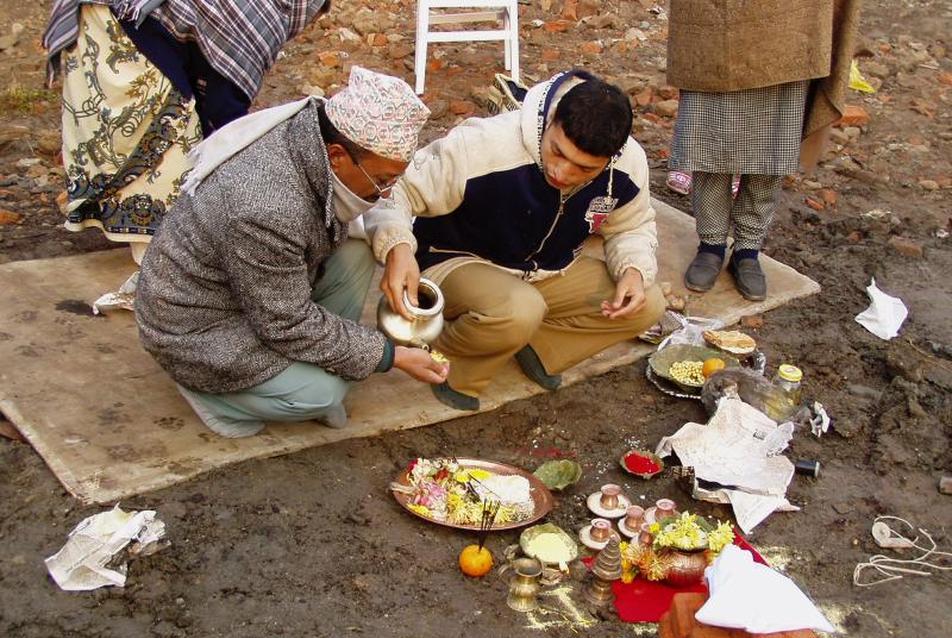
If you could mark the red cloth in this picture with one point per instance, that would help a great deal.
(646, 601)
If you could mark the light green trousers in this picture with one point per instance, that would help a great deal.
(303, 391)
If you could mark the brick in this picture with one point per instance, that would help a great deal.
(754, 322)
(570, 10)
(557, 26)
(945, 485)
(8, 217)
(854, 116)
(462, 107)
(592, 48)
(666, 108)
(643, 98)
(62, 200)
(399, 50)
(329, 58)
(586, 8)
(906, 247)
(683, 608)
(829, 196)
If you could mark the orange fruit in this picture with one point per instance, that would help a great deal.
(475, 561)
(711, 366)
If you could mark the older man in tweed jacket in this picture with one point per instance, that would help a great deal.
(250, 293)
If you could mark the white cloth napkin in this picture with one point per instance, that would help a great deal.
(750, 596)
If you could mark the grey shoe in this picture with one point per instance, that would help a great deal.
(703, 272)
(749, 278)
(532, 367)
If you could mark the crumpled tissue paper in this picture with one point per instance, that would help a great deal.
(81, 564)
(885, 313)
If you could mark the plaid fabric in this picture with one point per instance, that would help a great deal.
(750, 213)
(755, 131)
(239, 38)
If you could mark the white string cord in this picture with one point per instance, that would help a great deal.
(895, 568)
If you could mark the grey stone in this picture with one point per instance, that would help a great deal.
(864, 392)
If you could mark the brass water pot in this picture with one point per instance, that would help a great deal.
(524, 585)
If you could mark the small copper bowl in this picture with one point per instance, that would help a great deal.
(634, 517)
(609, 498)
(644, 454)
(601, 530)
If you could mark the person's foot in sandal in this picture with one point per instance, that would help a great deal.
(679, 182)
(704, 269)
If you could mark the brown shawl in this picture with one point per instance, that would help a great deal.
(718, 46)
(827, 99)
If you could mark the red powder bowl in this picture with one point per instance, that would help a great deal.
(641, 463)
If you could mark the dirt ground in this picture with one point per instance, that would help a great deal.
(312, 544)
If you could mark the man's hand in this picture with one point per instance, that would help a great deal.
(400, 272)
(418, 363)
(629, 296)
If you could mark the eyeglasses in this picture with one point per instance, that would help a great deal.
(382, 189)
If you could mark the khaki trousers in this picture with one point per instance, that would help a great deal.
(492, 314)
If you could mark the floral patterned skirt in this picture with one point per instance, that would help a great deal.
(126, 133)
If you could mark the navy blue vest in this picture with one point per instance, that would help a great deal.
(512, 219)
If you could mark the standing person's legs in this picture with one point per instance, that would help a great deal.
(751, 216)
(754, 209)
(491, 315)
(303, 391)
(574, 328)
(712, 201)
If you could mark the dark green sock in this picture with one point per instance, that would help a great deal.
(532, 367)
(448, 396)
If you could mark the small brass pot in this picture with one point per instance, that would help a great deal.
(524, 585)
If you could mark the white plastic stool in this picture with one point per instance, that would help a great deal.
(505, 11)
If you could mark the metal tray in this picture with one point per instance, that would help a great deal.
(660, 362)
(541, 496)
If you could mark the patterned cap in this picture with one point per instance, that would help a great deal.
(378, 112)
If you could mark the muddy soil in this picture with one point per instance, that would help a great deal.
(311, 544)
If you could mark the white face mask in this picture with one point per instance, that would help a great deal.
(347, 205)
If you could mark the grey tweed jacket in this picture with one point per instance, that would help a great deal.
(224, 295)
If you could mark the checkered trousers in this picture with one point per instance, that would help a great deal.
(750, 213)
(752, 131)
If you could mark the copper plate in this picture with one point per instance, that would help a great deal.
(541, 496)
